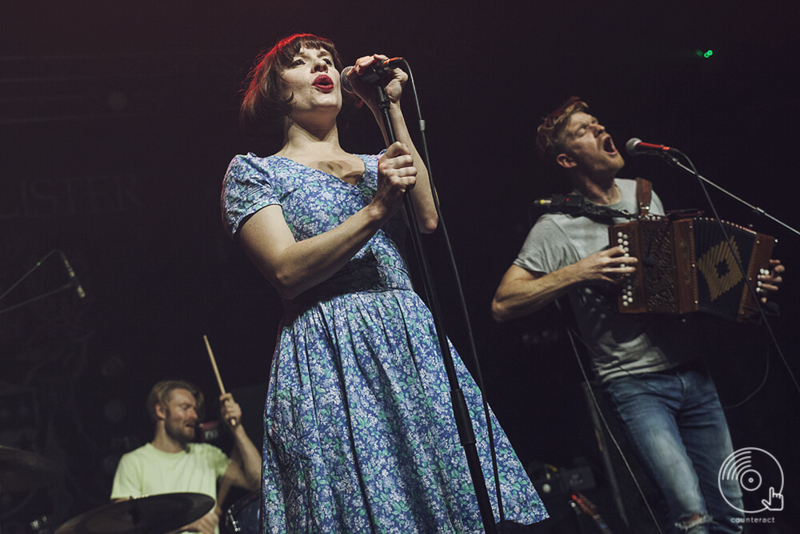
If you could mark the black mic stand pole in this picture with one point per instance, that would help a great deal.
(463, 423)
(674, 162)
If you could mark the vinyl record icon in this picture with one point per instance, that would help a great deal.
(760, 477)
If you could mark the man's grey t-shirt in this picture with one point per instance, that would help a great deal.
(622, 344)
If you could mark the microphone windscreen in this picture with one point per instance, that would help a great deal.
(344, 81)
(630, 146)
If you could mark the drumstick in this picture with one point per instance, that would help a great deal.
(216, 371)
(214, 365)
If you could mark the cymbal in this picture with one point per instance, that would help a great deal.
(25, 470)
(153, 514)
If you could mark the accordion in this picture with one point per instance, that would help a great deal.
(685, 266)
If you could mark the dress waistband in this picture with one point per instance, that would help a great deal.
(355, 277)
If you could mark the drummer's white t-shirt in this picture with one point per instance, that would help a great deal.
(149, 471)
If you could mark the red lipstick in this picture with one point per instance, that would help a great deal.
(324, 83)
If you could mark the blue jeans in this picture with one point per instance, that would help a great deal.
(675, 423)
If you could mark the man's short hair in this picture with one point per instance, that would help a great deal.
(162, 391)
(550, 134)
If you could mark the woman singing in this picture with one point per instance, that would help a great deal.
(359, 428)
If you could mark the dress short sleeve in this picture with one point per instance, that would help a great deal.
(248, 187)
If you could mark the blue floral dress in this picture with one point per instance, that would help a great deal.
(359, 428)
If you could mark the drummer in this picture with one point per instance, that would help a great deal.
(172, 463)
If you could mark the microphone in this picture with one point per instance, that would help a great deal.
(577, 204)
(371, 74)
(562, 203)
(73, 278)
(636, 146)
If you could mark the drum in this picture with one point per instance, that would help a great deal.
(243, 515)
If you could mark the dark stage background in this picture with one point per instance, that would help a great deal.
(117, 122)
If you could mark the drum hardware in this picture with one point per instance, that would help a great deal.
(242, 517)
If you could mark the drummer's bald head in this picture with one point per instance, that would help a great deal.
(162, 392)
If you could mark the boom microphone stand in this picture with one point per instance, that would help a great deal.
(72, 284)
(674, 162)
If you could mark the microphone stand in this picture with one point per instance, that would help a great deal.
(466, 432)
(66, 287)
(674, 162)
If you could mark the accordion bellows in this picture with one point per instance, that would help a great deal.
(685, 266)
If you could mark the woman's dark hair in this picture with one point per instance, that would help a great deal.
(263, 109)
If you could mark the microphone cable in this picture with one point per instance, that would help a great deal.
(590, 389)
(762, 314)
(473, 353)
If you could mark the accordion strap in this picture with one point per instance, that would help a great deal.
(644, 193)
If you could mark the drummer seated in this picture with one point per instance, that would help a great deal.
(172, 463)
